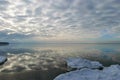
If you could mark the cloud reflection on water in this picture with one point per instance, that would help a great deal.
(45, 57)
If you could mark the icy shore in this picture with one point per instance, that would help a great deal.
(85, 71)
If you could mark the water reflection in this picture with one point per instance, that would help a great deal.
(48, 60)
(33, 75)
(34, 61)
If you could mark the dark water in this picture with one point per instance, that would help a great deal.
(46, 61)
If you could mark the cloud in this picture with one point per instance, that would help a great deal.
(59, 19)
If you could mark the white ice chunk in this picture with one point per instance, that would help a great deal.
(108, 73)
(79, 63)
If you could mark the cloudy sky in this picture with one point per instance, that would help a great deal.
(60, 20)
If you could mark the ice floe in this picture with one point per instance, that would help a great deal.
(87, 73)
(78, 63)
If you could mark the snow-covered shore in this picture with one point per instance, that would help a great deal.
(89, 70)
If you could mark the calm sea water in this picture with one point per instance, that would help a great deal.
(46, 61)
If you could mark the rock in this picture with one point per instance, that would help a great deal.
(79, 63)
(3, 59)
(108, 73)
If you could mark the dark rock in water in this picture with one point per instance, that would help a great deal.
(3, 59)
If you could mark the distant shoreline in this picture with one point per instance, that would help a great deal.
(6, 43)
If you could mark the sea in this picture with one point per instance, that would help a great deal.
(45, 61)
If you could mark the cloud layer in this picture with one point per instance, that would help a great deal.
(59, 19)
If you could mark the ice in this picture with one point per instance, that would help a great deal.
(85, 71)
(108, 73)
(78, 63)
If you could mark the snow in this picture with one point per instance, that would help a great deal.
(78, 63)
(85, 71)
(3, 59)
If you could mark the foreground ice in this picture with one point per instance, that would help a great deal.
(3, 59)
(78, 63)
(109, 73)
(85, 71)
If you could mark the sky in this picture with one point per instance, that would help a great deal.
(59, 20)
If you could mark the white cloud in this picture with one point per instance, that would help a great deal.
(59, 19)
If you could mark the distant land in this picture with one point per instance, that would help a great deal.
(4, 43)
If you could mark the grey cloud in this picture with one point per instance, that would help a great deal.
(10, 37)
(3, 5)
(4, 2)
(38, 11)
